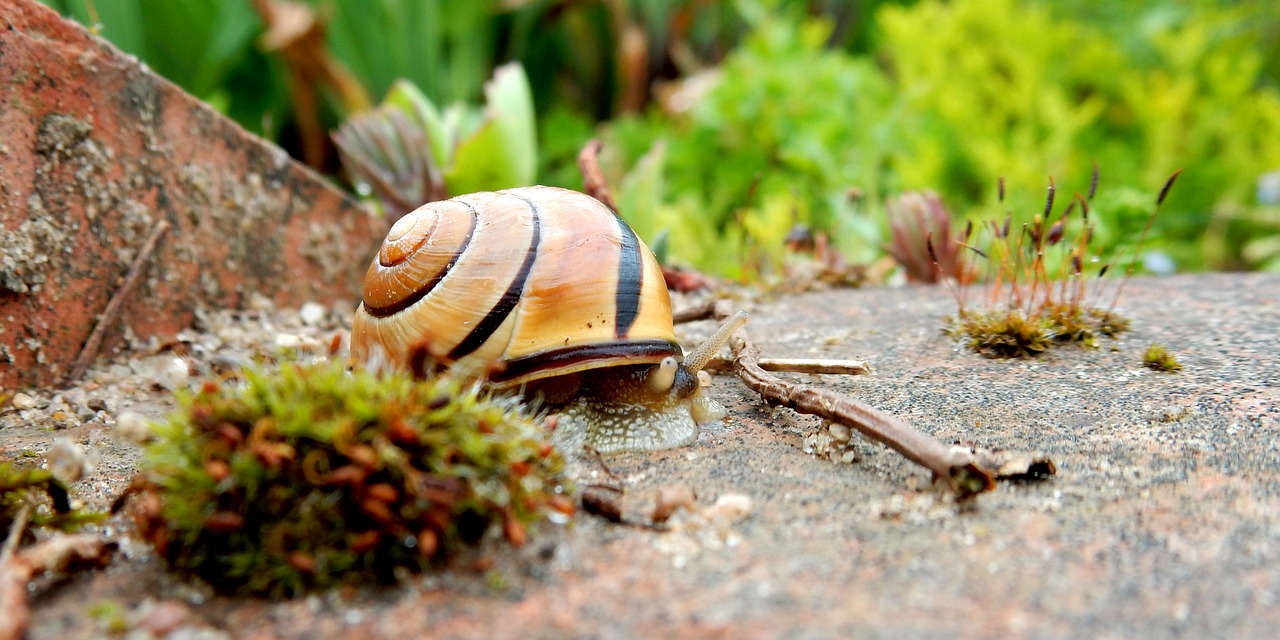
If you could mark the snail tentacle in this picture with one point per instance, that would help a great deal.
(700, 356)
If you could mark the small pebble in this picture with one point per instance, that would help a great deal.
(259, 302)
(730, 507)
(175, 374)
(671, 498)
(166, 617)
(311, 313)
(132, 427)
(288, 341)
(166, 370)
(231, 334)
(840, 433)
(68, 461)
(22, 401)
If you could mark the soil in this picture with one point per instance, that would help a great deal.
(1163, 519)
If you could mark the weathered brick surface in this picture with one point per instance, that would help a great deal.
(94, 151)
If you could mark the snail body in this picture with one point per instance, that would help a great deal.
(544, 291)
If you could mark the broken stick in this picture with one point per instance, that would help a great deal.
(56, 554)
(961, 474)
(700, 311)
(707, 309)
(112, 312)
(799, 365)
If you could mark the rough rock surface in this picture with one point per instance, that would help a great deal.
(1163, 520)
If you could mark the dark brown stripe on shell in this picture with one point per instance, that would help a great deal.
(426, 287)
(630, 280)
(569, 356)
(510, 298)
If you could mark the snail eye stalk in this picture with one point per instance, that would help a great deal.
(663, 375)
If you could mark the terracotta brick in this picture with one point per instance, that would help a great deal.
(94, 151)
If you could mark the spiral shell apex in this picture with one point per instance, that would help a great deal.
(541, 280)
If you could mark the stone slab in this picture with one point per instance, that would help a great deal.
(1163, 520)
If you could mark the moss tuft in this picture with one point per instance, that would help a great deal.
(308, 476)
(1015, 333)
(1040, 294)
(1159, 358)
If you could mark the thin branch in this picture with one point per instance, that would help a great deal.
(62, 553)
(799, 365)
(963, 476)
(707, 310)
(112, 312)
(16, 529)
(593, 182)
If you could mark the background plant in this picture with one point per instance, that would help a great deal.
(1029, 90)
(778, 135)
(1045, 280)
(44, 498)
(731, 121)
(408, 151)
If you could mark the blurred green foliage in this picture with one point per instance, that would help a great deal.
(446, 48)
(206, 46)
(725, 123)
(408, 151)
(1027, 91)
(785, 128)
(210, 47)
(967, 92)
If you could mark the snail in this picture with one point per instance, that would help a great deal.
(547, 292)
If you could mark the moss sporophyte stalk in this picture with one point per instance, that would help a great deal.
(1039, 292)
(309, 476)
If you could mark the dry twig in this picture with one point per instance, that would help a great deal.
(109, 315)
(58, 554)
(707, 309)
(799, 365)
(16, 529)
(964, 477)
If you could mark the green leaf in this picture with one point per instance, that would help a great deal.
(503, 152)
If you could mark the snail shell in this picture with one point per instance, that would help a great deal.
(544, 290)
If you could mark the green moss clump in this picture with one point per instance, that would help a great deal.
(1014, 333)
(1159, 358)
(1007, 334)
(310, 477)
